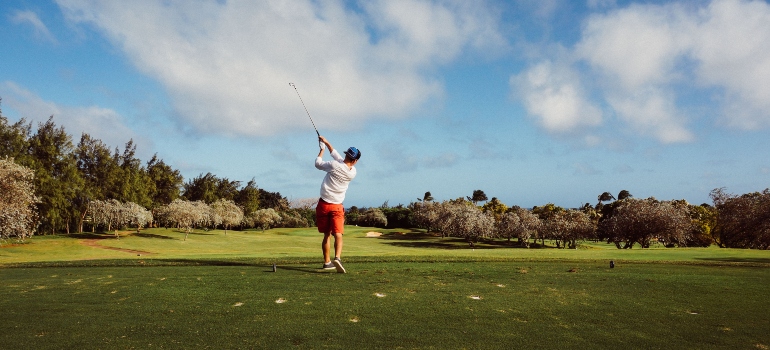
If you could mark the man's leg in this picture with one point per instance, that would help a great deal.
(326, 246)
(337, 245)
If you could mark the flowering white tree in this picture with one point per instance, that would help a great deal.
(265, 218)
(642, 220)
(228, 213)
(109, 213)
(112, 213)
(18, 215)
(567, 226)
(185, 215)
(137, 215)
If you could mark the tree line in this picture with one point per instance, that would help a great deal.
(48, 184)
(734, 221)
(51, 184)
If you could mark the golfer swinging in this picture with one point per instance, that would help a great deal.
(330, 213)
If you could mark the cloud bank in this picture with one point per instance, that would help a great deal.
(639, 63)
(102, 123)
(227, 65)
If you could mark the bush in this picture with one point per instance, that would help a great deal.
(742, 221)
(373, 217)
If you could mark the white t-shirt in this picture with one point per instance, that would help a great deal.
(337, 178)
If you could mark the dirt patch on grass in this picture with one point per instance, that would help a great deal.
(373, 234)
(95, 244)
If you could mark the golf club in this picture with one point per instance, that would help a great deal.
(303, 105)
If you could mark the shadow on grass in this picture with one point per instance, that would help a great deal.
(214, 262)
(152, 235)
(738, 260)
(417, 239)
(92, 235)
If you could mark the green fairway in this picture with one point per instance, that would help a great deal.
(402, 291)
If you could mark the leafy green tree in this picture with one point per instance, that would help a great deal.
(478, 196)
(209, 188)
(248, 197)
(14, 139)
(57, 179)
(99, 171)
(604, 197)
(272, 200)
(495, 208)
(624, 194)
(426, 198)
(167, 182)
(133, 184)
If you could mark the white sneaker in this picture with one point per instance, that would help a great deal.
(338, 264)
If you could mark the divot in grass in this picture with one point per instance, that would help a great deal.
(280, 301)
(475, 297)
(238, 304)
(379, 295)
(354, 319)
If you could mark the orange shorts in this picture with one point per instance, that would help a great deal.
(330, 217)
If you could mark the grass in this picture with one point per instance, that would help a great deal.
(403, 291)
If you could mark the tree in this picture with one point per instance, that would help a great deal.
(478, 196)
(18, 215)
(742, 221)
(272, 200)
(185, 215)
(209, 188)
(14, 139)
(136, 215)
(520, 223)
(604, 197)
(495, 208)
(642, 220)
(57, 179)
(624, 194)
(468, 222)
(229, 213)
(99, 171)
(248, 198)
(568, 226)
(133, 184)
(373, 217)
(426, 198)
(112, 213)
(266, 218)
(166, 182)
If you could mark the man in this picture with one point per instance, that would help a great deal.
(330, 213)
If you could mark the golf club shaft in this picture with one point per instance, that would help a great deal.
(303, 106)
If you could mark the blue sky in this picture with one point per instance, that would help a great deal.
(530, 101)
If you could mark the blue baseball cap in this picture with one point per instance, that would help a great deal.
(353, 153)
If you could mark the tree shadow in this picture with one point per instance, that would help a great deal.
(738, 260)
(91, 235)
(152, 235)
(267, 267)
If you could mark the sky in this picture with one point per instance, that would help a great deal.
(531, 101)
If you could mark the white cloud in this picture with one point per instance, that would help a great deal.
(41, 30)
(638, 45)
(651, 112)
(554, 95)
(732, 46)
(227, 66)
(643, 60)
(102, 123)
(600, 3)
